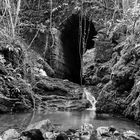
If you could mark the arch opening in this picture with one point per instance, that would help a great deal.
(73, 47)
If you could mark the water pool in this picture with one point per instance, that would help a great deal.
(66, 120)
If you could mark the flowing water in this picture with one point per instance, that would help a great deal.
(91, 99)
(66, 120)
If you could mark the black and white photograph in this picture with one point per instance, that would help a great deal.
(69, 69)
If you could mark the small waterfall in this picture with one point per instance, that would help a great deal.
(90, 98)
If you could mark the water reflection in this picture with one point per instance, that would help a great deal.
(88, 115)
(18, 121)
(66, 120)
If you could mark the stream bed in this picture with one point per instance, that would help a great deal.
(66, 120)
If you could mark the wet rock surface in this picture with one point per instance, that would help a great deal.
(33, 134)
(85, 132)
(43, 126)
(10, 134)
(60, 95)
(114, 71)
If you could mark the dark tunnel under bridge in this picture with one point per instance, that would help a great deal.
(67, 53)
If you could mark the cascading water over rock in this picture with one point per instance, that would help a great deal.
(91, 99)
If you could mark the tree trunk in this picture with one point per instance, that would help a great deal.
(126, 6)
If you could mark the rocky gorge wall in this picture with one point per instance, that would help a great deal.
(56, 57)
(72, 46)
(65, 51)
(114, 71)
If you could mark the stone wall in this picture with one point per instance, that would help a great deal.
(57, 57)
(61, 48)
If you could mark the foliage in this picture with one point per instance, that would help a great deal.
(28, 19)
(13, 85)
(124, 64)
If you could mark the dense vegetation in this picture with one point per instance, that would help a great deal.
(114, 69)
(115, 66)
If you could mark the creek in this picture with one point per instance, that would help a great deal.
(65, 119)
(91, 99)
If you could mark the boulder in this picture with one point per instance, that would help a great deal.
(33, 134)
(10, 135)
(43, 126)
(62, 136)
(102, 131)
(70, 131)
(131, 135)
(116, 133)
(87, 128)
(112, 129)
(77, 135)
(85, 136)
(86, 131)
(50, 135)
